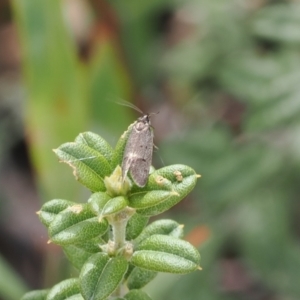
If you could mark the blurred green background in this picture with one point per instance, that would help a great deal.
(225, 78)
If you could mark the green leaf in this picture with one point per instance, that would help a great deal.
(150, 199)
(91, 272)
(50, 209)
(172, 245)
(162, 262)
(76, 297)
(36, 295)
(176, 174)
(108, 81)
(115, 205)
(101, 275)
(162, 253)
(90, 167)
(178, 232)
(60, 91)
(279, 22)
(135, 226)
(11, 285)
(76, 224)
(164, 226)
(279, 113)
(97, 201)
(64, 290)
(138, 278)
(157, 181)
(96, 143)
(78, 254)
(137, 295)
(120, 147)
(182, 179)
(129, 270)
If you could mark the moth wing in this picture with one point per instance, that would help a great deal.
(128, 153)
(135, 138)
(142, 158)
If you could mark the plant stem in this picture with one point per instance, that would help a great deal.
(119, 238)
(119, 231)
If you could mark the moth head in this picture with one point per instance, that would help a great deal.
(145, 119)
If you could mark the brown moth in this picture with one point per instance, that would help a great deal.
(137, 157)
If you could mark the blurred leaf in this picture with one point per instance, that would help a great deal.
(139, 27)
(184, 56)
(108, 83)
(55, 86)
(228, 170)
(274, 254)
(279, 22)
(137, 295)
(36, 295)
(279, 113)
(11, 286)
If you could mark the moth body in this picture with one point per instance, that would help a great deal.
(137, 157)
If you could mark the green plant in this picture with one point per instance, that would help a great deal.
(244, 133)
(107, 239)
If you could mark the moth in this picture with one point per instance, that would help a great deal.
(137, 156)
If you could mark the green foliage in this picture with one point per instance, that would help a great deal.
(232, 71)
(76, 224)
(101, 275)
(136, 295)
(62, 91)
(133, 253)
(238, 66)
(11, 286)
(162, 253)
(66, 289)
(36, 295)
(138, 278)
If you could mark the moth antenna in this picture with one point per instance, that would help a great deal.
(156, 113)
(160, 157)
(129, 104)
